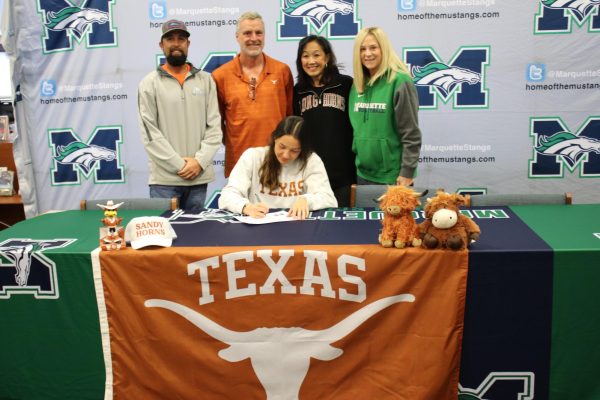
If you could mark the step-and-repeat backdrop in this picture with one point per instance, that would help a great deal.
(509, 90)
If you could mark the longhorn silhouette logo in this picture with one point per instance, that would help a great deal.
(281, 356)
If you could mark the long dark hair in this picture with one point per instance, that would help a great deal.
(331, 69)
(270, 168)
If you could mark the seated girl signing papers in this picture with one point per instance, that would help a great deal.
(285, 174)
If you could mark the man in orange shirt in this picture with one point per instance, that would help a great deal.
(254, 90)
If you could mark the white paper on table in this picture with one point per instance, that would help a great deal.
(269, 218)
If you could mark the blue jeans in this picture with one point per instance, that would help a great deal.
(190, 197)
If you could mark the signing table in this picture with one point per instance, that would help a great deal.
(310, 309)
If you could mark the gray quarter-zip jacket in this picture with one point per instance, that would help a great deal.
(179, 121)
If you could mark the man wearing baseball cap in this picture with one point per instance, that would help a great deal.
(180, 122)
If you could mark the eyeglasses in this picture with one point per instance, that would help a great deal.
(252, 89)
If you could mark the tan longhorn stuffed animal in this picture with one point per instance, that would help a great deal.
(399, 226)
(445, 226)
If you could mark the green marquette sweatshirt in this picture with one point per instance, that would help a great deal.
(387, 138)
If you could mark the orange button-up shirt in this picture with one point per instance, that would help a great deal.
(247, 122)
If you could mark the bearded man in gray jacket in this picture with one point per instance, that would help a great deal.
(180, 122)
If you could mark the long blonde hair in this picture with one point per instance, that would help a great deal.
(390, 62)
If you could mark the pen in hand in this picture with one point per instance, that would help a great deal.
(256, 210)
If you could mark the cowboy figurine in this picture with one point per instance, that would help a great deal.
(112, 237)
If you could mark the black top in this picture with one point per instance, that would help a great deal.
(325, 111)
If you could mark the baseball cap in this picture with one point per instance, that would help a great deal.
(149, 231)
(174, 25)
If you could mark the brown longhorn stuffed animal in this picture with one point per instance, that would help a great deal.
(399, 226)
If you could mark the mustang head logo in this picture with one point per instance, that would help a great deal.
(75, 20)
(281, 376)
(579, 7)
(210, 214)
(569, 146)
(21, 256)
(318, 11)
(21, 253)
(215, 214)
(83, 155)
(443, 77)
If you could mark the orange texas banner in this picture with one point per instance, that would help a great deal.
(310, 322)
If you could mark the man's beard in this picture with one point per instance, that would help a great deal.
(176, 61)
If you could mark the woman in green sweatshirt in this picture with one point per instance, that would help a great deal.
(383, 112)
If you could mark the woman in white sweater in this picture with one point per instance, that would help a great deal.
(285, 174)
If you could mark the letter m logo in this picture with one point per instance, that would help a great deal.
(462, 79)
(24, 269)
(557, 16)
(65, 21)
(556, 147)
(335, 19)
(72, 158)
(501, 385)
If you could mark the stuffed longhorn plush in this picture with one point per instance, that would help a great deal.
(445, 226)
(399, 226)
